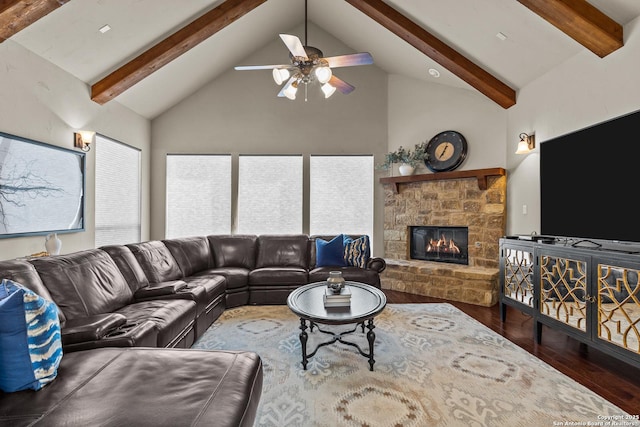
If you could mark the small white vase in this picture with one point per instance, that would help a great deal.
(406, 169)
(52, 244)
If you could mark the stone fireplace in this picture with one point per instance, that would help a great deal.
(474, 201)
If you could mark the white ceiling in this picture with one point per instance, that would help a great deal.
(69, 38)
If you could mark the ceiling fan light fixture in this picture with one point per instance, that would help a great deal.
(309, 65)
(291, 90)
(280, 75)
(328, 90)
(323, 74)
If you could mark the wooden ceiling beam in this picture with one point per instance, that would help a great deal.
(170, 48)
(16, 15)
(582, 22)
(437, 50)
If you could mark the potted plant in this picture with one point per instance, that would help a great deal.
(407, 158)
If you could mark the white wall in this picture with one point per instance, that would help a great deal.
(41, 102)
(420, 110)
(582, 91)
(239, 113)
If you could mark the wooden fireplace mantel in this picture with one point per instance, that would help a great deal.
(480, 174)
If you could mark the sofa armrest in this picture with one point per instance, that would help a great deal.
(377, 264)
(90, 328)
(159, 289)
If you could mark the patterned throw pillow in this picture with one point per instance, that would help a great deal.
(331, 253)
(357, 252)
(30, 341)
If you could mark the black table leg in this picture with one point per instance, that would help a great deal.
(303, 342)
(371, 337)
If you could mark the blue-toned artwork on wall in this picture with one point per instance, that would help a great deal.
(41, 188)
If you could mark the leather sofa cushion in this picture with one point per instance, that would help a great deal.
(160, 289)
(237, 277)
(213, 284)
(278, 276)
(91, 328)
(156, 261)
(236, 250)
(130, 387)
(171, 317)
(84, 283)
(25, 273)
(283, 251)
(139, 334)
(128, 265)
(192, 254)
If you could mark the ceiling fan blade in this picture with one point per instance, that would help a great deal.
(363, 58)
(344, 87)
(294, 45)
(262, 67)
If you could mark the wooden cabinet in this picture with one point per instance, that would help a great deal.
(591, 294)
(516, 277)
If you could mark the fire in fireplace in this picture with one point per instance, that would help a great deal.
(439, 243)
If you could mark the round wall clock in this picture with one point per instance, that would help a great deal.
(446, 151)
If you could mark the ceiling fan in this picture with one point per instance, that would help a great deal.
(308, 65)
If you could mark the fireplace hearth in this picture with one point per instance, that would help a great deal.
(439, 244)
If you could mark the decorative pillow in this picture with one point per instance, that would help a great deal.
(331, 253)
(357, 252)
(30, 342)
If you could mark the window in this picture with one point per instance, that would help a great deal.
(270, 194)
(117, 212)
(341, 195)
(198, 195)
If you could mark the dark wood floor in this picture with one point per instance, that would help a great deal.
(616, 381)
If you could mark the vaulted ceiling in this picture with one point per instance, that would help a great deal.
(160, 51)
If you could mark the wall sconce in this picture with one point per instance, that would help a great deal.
(82, 139)
(527, 143)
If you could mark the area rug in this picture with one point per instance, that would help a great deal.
(434, 366)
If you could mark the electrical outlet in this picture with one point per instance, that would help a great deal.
(524, 209)
(478, 244)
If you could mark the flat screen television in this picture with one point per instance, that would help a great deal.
(590, 182)
(42, 188)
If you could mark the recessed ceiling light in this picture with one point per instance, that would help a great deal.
(434, 73)
(104, 28)
(501, 36)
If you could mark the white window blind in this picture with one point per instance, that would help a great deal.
(269, 194)
(341, 195)
(198, 201)
(117, 187)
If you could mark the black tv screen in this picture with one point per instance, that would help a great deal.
(589, 182)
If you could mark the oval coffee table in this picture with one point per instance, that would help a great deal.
(366, 303)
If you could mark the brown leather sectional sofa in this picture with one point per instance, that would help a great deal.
(160, 295)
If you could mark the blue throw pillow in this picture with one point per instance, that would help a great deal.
(330, 254)
(357, 252)
(30, 341)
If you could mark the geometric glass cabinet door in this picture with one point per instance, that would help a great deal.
(518, 275)
(619, 306)
(563, 290)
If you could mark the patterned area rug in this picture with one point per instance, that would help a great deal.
(434, 366)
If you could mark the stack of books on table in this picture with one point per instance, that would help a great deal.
(334, 299)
